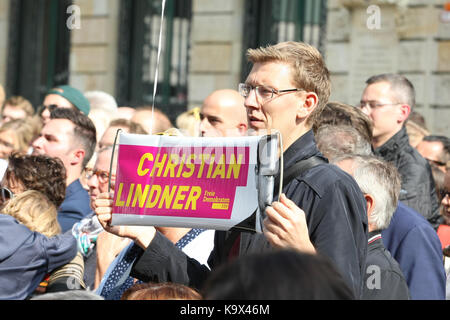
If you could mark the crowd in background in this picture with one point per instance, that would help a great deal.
(369, 219)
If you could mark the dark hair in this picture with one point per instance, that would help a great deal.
(160, 291)
(445, 142)
(337, 113)
(84, 130)
(400, 86)
(282, 274)
(39, 172)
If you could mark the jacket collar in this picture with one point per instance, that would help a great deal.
(303, 148)
(393, 145)
(374, 237)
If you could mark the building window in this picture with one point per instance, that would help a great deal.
(38, 48)
(268, 22)
(138, 48)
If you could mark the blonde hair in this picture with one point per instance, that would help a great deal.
(34, 210)
(189, 122)
(21, 103)
(309, 71)
(24, 132)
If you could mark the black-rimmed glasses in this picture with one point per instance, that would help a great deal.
(6, 194)
(49, 107)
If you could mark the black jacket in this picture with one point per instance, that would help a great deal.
(336, 216)
(384, 279)
(418, 189)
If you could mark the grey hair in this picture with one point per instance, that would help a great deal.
(68, 295)
(102, 100)
(381, 180)
(401, 87)
(334, 141)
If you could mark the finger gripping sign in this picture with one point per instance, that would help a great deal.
(187, 182)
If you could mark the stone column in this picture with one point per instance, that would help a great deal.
(216, 44)
(4, 28)
(93, 53)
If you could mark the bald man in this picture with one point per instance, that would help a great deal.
(152, 121)
(223, 114)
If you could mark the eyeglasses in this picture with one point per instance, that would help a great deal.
(49, 107)
(436, 162)
(6, 194)
(263, 92)
(102, 176)
(374, 104)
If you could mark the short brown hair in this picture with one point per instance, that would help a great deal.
(337, 113)
(309, 69)
(160, 291)
(21, 103)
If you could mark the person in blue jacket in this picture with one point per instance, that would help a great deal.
(415, 245)
(27, 256)
(71, 137)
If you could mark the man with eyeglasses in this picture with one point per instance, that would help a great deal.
(286, 90)
(388, 100)
(436, 149)
(63, 96)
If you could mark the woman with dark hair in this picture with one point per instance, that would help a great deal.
(36, 172)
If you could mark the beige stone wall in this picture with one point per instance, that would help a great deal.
(216, 45)
(4, 29)
(412, 40)
(93, 53)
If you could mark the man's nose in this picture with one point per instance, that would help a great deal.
(204, 125)
(251, 101)
(37, 143)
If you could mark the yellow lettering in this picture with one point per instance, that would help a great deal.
(145, 156)
(130, 195)
(171, 165)
(200, 171)
(211, 164)
(139, 195)
(193, 196)
(220, 168)
(119, 203)
(190, 165)
(155, 189)
(158, 164)
(235, 167)
(179, 197)
(167, 196)
(180, 167)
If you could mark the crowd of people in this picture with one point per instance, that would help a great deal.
(364, 211)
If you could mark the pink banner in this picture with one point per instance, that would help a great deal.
(196, 182)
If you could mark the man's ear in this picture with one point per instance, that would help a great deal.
(242, 128)
(405, 110)
(370, 203)
(77, 156)
(307, 107)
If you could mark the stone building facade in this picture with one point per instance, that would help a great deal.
(362, 38)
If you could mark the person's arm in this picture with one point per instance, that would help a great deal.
(161, 260)
(59, 250)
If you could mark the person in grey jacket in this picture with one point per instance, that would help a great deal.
(388, 100)
(27, 256)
